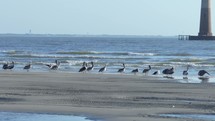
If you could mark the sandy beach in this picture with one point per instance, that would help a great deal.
(107, 97)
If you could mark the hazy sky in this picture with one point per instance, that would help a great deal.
(118, 17)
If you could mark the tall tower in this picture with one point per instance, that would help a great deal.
(205, 19)
(205, 32)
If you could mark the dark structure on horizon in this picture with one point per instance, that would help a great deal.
(205, 30)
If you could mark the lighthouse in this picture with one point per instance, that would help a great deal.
(205, 30)
(205, 19)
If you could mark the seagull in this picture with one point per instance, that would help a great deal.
(122, 69)
(135, 71)
(90, 68)
(103, 69)
(145, 71)
(202, 73)
(168, 71)
(83, 68)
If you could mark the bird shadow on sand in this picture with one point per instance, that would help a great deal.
(204, 79)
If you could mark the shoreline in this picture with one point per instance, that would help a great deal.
(181, 79)
(108, 97)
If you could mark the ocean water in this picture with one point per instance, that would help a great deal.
(135, 52)
(204, 117)
(9, 116)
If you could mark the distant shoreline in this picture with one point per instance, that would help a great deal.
(83, 35)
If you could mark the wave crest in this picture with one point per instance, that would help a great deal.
(104, 53)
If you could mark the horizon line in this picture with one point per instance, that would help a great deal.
(84, 35)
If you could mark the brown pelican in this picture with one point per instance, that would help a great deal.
(11, 66)
(203, 77)
(122, 69)
(54, 66)
(83, 68)
(27, 67)
(168, 71)
(145, 71)
(90, 68)
(103, 69)
(185, 72)
(135, 71)
(202, 73)
(156, 72)
(5, 66)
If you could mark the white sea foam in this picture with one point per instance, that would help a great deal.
(142, 54)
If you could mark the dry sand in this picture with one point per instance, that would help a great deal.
(106, 97)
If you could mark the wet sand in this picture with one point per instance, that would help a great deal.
(107, 97)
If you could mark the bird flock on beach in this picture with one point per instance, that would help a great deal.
(168, 72)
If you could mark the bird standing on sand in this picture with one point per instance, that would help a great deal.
(135, 71)
(11, 66)
(145, 71)
(27, 67)
(202, 73)
(5, 66)
(168, 71)
(185, 72)
(54, 66)
(90, 68)
(122, 69)
(83, 68)
(103, 69)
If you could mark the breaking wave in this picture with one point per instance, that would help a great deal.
(104, 53)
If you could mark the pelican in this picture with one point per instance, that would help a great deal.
(27, 67)
(156, 72)
(54, 66)
(135, 71)
(90, 68)
(5, 66)
(11, 66)
(185, 72)
(145, 71)
(168, 71)
(103, 69)
(202, 73)
(122, 69)
(83, 68)
(49, 65)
